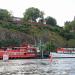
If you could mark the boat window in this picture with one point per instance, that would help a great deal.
(14, 48)
(30, 51)
(9, 48)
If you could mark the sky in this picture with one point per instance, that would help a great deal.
(61, 10)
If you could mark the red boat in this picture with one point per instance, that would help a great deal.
(26, 51)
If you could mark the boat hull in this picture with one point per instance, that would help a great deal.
(61, 55)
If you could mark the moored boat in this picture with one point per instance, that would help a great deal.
(26, 51)
(63, 53)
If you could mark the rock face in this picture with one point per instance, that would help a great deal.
(9, 34)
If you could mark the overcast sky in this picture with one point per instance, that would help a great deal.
(61, 10)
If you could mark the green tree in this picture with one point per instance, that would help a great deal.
(4, 15)
(32, 14)
(10, 42)
(50, 21)
(69, 36)
(67, 26)
(50, 46)
(73, 25)
(71, 43)
(70, 26)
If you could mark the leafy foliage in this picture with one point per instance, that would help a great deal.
(69, 26)
(50, 46)
(22, 28)
(10, 42)
(63, 37)
(71, 43)
(4, 15)
(32, 14)
(50, 21)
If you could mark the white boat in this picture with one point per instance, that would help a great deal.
(63, 53)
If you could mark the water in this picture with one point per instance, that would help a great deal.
(63, 66)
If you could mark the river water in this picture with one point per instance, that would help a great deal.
(63, 66)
